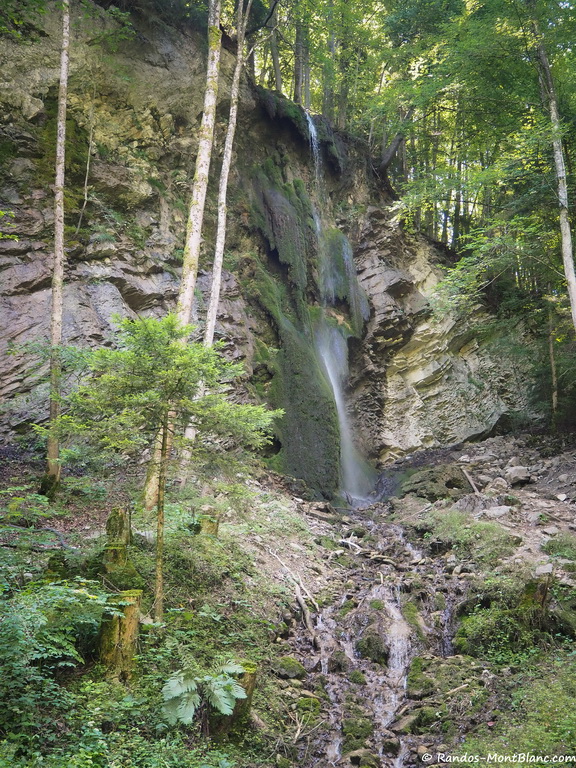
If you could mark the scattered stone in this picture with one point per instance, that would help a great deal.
(404, 725)
(561, 497)
(544, 570)
(563, 478)
(364, 758)
(517, 475)
(550, 530)
(390, 743)
(496, 512)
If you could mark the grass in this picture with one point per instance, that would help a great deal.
(539, 717)
(485, 543)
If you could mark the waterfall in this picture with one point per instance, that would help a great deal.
(338, 281)
(314, 146)
(357, 477)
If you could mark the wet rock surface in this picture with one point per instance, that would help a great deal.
(393, 655)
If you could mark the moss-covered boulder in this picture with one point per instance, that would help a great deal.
(372, 646)
(446, 481)
(357, 730)
(287, 667)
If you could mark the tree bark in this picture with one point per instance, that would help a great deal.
(299, 63)
(551, 102)
(52, 478)
(159, 574)
(390, 152)
(119, 635)
(212, 312)
(195, 218)
(241, 22)
(275, 53)
(200, 185)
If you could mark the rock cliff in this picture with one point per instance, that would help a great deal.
(134, 110)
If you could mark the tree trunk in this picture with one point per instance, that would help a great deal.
(389, 153)
(119, 635)
(196, 214)
(195, 218)
(551, 102)
(159, 576)
(299, 63)
(275, 53)
(553, 369)
(241, 22)
(212, 312)
(52, 478)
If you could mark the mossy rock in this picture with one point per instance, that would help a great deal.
(364, 758)
(419, 685)
(357, 730)
(287, 667)
(445, 481)
(373, 647)
(338, 662)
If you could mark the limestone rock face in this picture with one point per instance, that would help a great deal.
(415, 381)
(419, 380)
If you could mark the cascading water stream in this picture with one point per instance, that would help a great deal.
(337, 277)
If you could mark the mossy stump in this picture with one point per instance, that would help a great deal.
(118, 528)
(224, 725)
(119, 635)
(209, 525)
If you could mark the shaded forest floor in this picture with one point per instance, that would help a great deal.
(441, 622)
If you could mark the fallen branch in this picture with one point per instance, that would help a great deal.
(306, 615)
(467, 476)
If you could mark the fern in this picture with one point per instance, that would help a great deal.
(185, 691)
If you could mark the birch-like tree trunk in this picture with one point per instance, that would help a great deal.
(195, 217)
(212, 312)
(242, 20)
(52, 478)
(551, 102)
(275, 52)
(200, 185)
(159, 569)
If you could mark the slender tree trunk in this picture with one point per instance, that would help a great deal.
(52, 478)
(553, 369)
(328, 73)
(195, 217)
(389, 153)
(212, 312)
(159, 578)
(551, 102)
(200, 185)
(299, 63)
(274, 51)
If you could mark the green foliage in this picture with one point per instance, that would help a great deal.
(153, 376)
(184, 691)
(563, 545)
(484, 542)
(539, 716)
(42, 630)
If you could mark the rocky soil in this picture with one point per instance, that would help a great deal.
(384, 670)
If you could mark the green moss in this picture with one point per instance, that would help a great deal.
(356, 731)
(372, 647)
(357, 677)
(308, 432)
(376, 605)
(562, 545)
(412, 616)
(290, 668)
(308, 705)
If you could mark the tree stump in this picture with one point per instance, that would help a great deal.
(119, 635)
(225, 725)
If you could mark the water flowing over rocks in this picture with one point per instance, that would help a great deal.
(392, 669)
